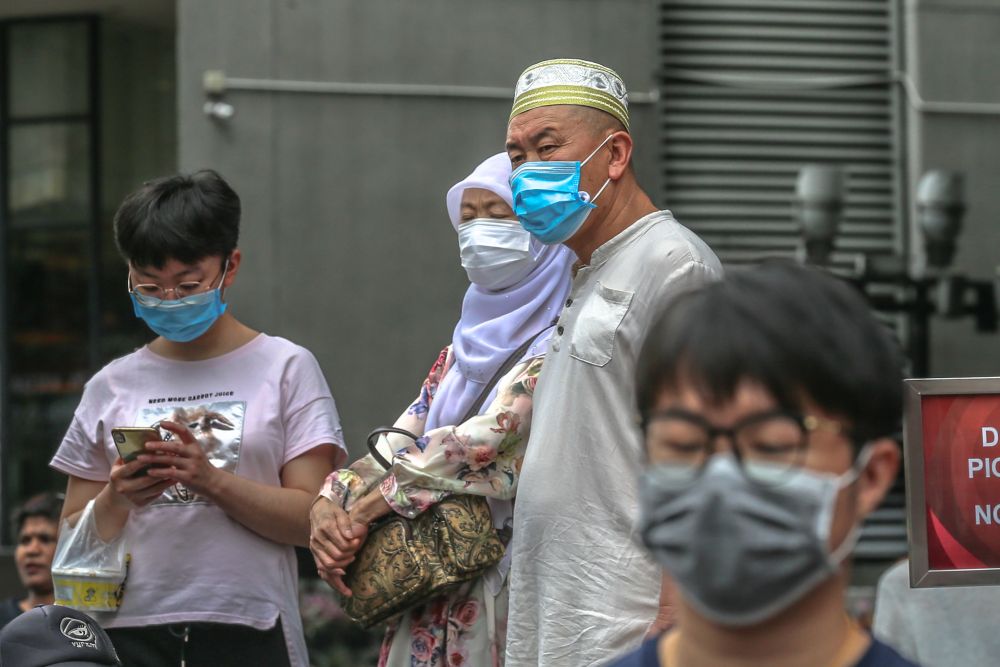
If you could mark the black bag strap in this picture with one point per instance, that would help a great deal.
(477, 405)
(373, 447)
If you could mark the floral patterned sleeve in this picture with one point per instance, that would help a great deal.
(345, 486)
(483, 456)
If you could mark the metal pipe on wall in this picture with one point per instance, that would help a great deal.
(216, 84)
(944, 106)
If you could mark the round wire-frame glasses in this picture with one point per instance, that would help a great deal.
(153, 295)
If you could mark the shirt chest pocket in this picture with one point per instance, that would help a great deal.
(601, 315)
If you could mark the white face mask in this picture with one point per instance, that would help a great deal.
(496, 254)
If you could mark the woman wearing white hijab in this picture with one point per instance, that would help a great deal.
(518, 288)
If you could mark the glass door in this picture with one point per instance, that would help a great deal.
(49, 241)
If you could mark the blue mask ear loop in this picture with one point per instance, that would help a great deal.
(225, 270)
(585, 196)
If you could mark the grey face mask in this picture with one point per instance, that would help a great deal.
(741, 552)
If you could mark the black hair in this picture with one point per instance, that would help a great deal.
(45, 505)
(797, 331)
(186, 217)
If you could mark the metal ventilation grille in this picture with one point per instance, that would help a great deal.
(751, 91)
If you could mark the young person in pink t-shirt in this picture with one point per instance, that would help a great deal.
(210, 514)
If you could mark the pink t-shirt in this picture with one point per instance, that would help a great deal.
(253, 410)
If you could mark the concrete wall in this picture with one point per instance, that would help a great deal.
(953, 56)
(138, 142)
(347, 245)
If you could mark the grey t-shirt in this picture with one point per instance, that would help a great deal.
(938, 627)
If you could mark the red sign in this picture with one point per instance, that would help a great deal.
(961, 480)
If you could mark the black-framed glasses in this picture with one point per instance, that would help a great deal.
(153, 295)
(768, 445)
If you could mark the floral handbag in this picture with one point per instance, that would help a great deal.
(405, 562)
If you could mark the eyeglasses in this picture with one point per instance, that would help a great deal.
(768, 445)
(153, 295)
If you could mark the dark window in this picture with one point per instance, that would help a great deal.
(49, 241)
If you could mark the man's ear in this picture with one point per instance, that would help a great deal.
(621, 154)
(878, 475)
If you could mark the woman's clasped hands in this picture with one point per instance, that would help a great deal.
(334, 540)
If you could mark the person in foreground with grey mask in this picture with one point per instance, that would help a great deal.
(768, 403)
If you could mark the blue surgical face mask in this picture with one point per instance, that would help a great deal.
(182, 320)
(548, 200)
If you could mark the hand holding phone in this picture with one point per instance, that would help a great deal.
(131, 442)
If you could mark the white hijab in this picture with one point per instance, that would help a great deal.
(495, 324)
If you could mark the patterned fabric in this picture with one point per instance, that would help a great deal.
(578, 82)
(464, 629)
(483, 456)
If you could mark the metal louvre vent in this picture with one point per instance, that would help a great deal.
(751, 91)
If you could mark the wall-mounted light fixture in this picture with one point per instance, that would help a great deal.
(219, 110)
(213, 82)
(940, 207)
(819, 202)
(886, 279)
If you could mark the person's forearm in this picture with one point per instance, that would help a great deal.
(110, 516)
(369, 508)
(277, 513)
(114, 499)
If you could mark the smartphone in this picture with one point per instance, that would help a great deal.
(131, 441)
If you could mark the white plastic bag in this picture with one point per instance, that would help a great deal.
(88, 573)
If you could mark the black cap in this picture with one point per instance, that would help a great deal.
(53, 636)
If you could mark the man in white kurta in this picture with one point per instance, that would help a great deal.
(582, 590)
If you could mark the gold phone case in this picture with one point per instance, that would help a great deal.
(131, 440)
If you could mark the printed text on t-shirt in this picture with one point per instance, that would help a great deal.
(192, 397)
